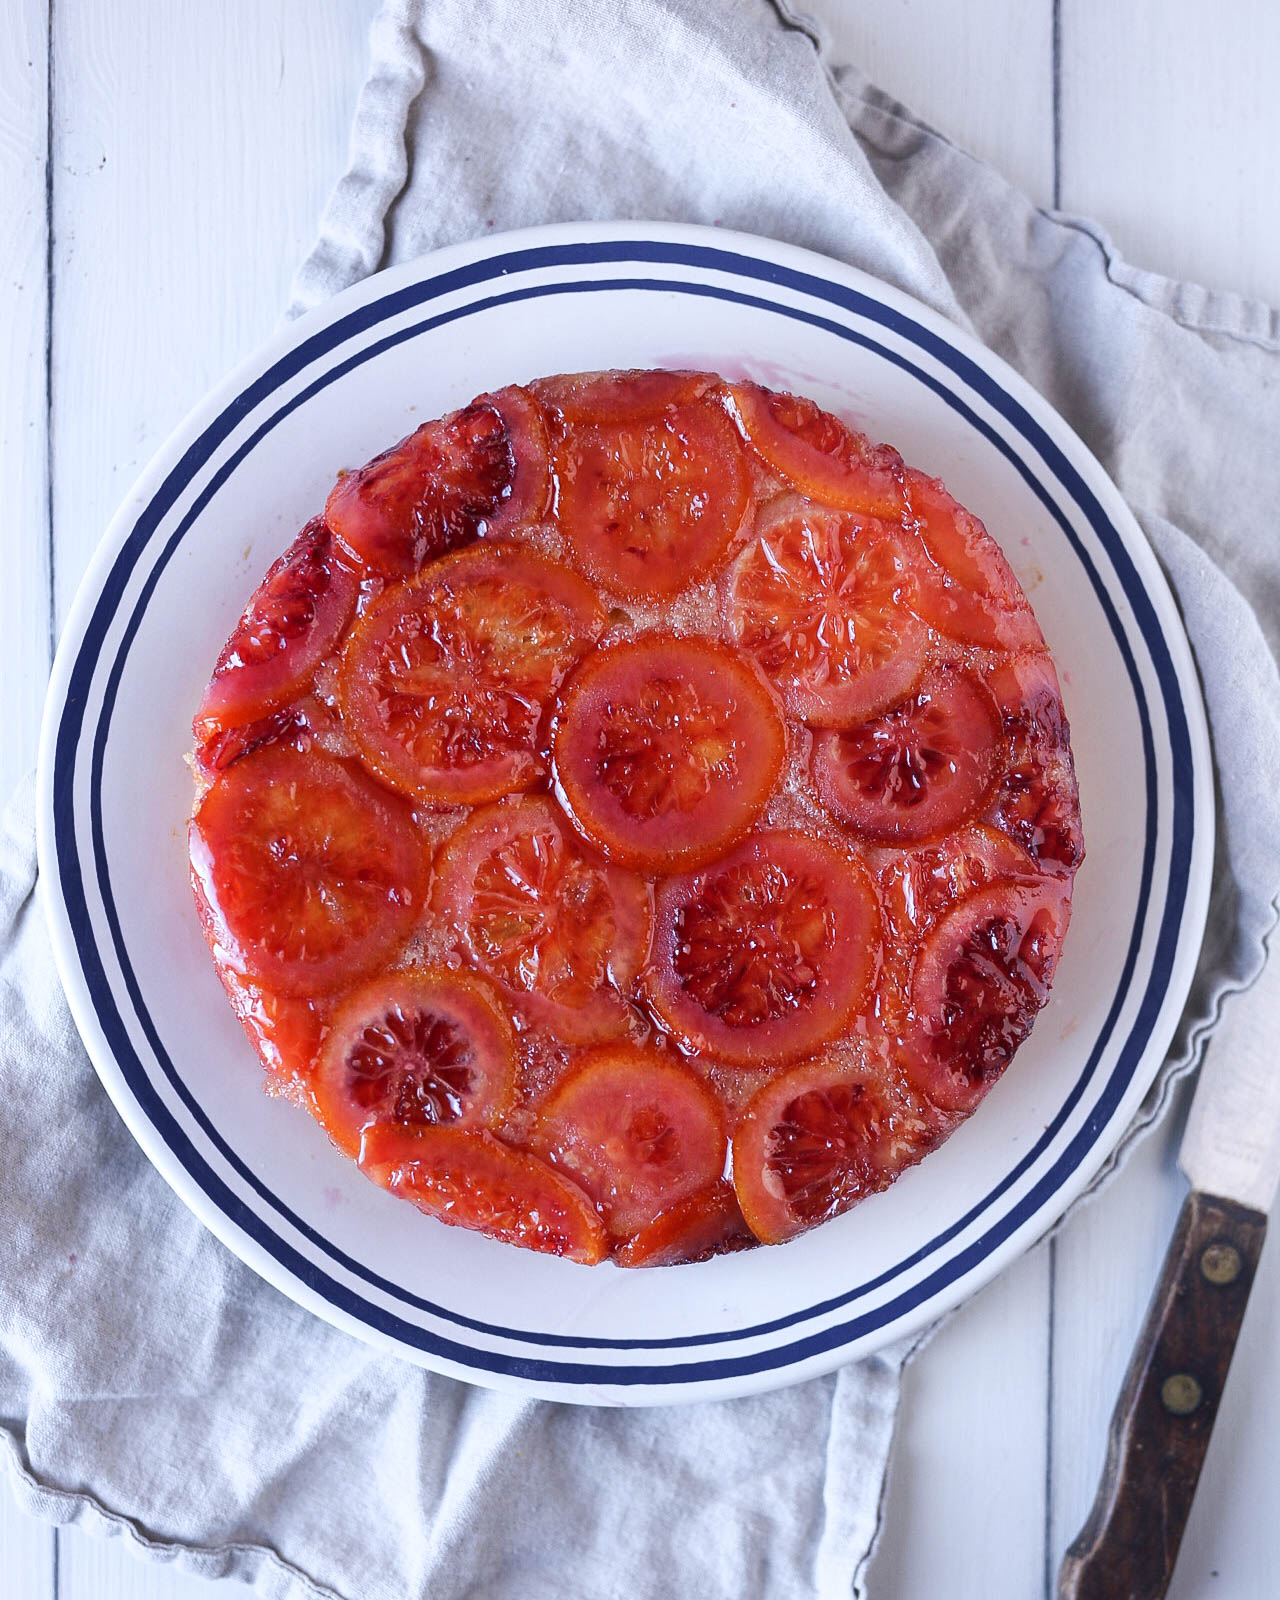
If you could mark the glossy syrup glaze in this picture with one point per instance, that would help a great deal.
(637, 818)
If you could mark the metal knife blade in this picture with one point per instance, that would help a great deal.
(1231, 1146)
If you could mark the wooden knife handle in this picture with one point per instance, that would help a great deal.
(1166, 1410)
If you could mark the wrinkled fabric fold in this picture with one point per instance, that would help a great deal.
(151, 1386)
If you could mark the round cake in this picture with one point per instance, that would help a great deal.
(637, 818)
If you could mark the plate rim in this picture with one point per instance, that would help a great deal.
(669, 1383)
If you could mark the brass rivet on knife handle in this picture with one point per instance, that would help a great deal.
(1221, 1263)
(1165, 1413)
(1181, 1394)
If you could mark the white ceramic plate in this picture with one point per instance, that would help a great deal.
(223, 498)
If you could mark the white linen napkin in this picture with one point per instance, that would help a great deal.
(151, 1386)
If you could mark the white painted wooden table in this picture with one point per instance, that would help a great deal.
(161, 170)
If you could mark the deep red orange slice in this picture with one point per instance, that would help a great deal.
(981, 977)
(472, 1180)
(307, 875)
(418, 1047)
(767, 954)
(819, 598)
(707, 1224)
(966, 589)
(576, 398)
(666, 750)
(562, 932)
(816, 1140)
(650, 503)
(429, 494)
(637, 1129)
(527, 496)
(819, 455)
(919, 769)
(1037, 801)
(920, 885)
(446, 682)
(296, 617)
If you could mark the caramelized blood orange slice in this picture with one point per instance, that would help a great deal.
(471, 1180)
(818, 454)
(919, 886)
(307, 875)
(666, 750)
(967, 590)
(1037, 802)
(284, 1029)
(223, 747)
(446, 681)
(650, 503)
(420, 1047)
(613, 397)
(559, 930)
(295, 618)
(765, 955)
(527, 497)
(981, 977)
(707, 1224)
(636, 1129)
(302, 725)
(920, 768)
(426, 495)
(819, 598)
(816, 1140)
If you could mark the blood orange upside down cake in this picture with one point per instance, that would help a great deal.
(637, 818)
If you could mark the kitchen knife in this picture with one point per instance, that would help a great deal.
(1167, 1406)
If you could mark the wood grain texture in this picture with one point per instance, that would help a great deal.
(24, 594)
(964, 1509)
(1169, 136)
(981, 73)
(111, 1569)
(1232, 1543)
(193, 151)
(26, 1553)
(1167, 1407)
(27, 1547)
(1108, 1257)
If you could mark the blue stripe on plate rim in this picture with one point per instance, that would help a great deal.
(86, 668)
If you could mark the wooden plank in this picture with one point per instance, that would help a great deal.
(24, 595)
(1233, 1533)
(981, 73)
(1168, 139)
(1108, 1260)
(194, 149)
(27, 1547)
(111, 1569)
(26, 1552)
(964, 1513)
(964, 1510)
(1169, 135)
